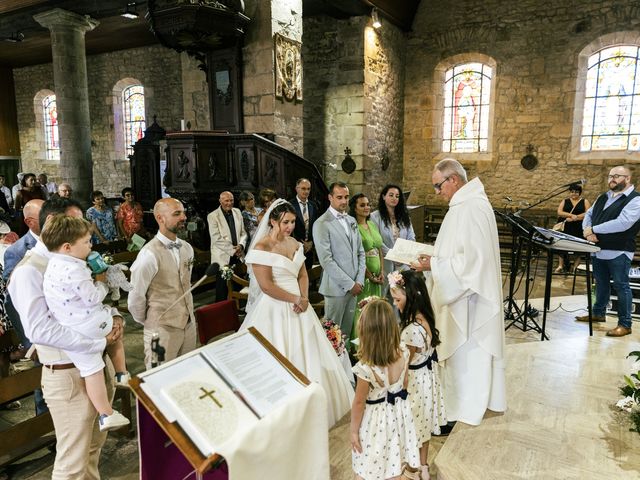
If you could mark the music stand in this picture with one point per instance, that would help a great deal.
(521, 231)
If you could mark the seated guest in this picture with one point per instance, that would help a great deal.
(16, 187)
(102, 219)
(64, 191)
(29, 191)
(49, 187)
(267, 197)
(249, 212)
(6, 191)
(7, 238)
(129, 217)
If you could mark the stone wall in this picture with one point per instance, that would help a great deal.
(354, 78)
(385, 51)
(535, 45)
(157, 68)
(333, 56)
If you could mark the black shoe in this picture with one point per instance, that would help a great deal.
(446, 429)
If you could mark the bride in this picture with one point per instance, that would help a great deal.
(279, 308)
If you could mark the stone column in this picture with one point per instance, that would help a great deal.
(72, 96)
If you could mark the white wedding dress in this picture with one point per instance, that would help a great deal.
(299, 336)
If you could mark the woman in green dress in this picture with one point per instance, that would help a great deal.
(359, 208)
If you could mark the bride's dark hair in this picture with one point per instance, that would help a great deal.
(279, 210)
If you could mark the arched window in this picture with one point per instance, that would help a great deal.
(611, 115)
(50, 123)
(133, 115)
(467, 94)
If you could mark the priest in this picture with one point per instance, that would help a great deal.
(464, 282)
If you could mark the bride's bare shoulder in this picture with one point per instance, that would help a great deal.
(265, 244)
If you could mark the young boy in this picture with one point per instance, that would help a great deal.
(76, 302)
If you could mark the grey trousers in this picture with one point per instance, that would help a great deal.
(341, 311)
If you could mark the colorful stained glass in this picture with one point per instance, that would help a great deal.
(467, 90)
(134, 116)
(611, 115)
(52, 140)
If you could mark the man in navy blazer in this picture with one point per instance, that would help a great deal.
(303, 231)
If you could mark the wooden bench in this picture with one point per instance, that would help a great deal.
(31, 434)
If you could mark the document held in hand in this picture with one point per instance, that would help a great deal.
(407, 251)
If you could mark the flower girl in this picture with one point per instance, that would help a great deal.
(420, 336)
(383, 437)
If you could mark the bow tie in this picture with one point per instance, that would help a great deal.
(343, 216)
(175, 245)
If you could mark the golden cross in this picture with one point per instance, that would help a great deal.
(209, 395)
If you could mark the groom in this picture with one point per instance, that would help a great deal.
(339, 249)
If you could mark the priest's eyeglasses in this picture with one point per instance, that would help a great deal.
(616, 176)
(438, 186)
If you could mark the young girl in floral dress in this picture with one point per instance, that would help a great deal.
(383, 437)
(420, 336)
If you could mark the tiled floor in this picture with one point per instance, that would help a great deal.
(120, 461)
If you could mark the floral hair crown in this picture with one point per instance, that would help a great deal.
(367, 300)
(396, 280)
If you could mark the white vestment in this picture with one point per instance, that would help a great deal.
(466, 293)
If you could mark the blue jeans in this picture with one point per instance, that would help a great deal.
(617, 270)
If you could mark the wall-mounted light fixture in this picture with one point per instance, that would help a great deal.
(15, 37)
(375, 19)
(129, 11)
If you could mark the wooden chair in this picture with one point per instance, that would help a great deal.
(216, 319)
(238, 295)
(316, 299)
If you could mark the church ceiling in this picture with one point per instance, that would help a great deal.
(24, 42)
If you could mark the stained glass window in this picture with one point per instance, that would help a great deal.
(134, 119)
(467, 91)
(611, 116)
(52, 140)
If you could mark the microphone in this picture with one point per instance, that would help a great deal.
(582, 182)
(212, 270)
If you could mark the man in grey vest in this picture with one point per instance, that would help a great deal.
(612, 222)
(161, 275)
(74, 417)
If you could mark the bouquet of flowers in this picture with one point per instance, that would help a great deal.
(334, 334)
(226, 272)
(631, 391)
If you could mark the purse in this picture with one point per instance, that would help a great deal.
(559, 227)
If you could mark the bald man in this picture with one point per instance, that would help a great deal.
(612, 223)
(228, 238)
(160, 275)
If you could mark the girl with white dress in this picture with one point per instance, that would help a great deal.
(278, 306)
(383, 436)
(420, 336)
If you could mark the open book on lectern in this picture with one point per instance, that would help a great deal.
(221, 388)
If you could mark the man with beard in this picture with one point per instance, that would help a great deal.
(160, 275)
(613, 222)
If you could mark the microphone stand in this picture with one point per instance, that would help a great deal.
(554, 193)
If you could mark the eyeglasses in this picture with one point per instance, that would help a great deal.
(438, 186)
(616, 176)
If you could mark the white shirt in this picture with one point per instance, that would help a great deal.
(343, 218)
(25, 288)
(7, 194)
(143, 270)
(74, 299)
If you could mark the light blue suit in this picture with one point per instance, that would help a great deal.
(343, 263)
(16, 252)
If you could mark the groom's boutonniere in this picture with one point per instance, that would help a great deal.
(189, 263)
(354, 226)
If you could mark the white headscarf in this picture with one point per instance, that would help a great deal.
(264, 227)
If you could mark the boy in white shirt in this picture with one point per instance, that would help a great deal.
(76, 302)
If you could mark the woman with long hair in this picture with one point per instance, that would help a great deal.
(278, 307)
(393, 222)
